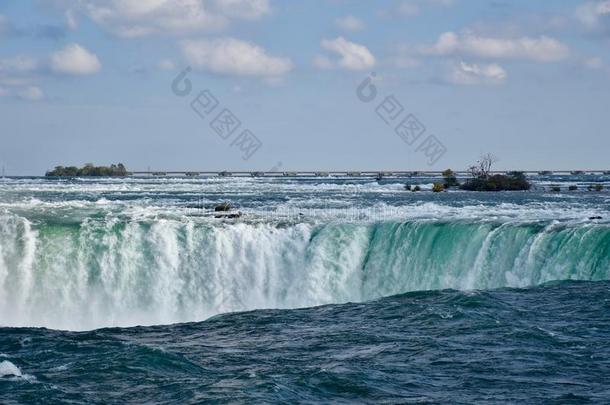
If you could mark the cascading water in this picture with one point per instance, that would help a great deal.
(108, 270)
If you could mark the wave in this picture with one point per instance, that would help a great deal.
(113, 271)
(9, 369)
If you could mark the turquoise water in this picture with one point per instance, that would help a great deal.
(546, 344)
(84, 254)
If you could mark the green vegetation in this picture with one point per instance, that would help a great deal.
(438, 187)
(89, 170)
(450, 179)
(483, 180)
(497, 182)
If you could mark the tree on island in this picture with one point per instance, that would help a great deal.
(89, 170)
(483, 180)
(450, 179)
(482, 169)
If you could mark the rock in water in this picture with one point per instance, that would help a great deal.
(224, 207)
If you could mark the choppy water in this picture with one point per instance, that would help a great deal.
(85, 254)
(542, 345)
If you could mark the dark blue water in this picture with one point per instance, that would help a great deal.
(545, 344)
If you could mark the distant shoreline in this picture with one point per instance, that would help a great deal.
(338, 173)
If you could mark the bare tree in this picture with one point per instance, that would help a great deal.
(483, 167)
(474, 171)
(486, 163)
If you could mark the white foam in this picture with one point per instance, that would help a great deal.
(9, 369)
(153, 260)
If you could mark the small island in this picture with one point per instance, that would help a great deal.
(89, 170)
(482, 179)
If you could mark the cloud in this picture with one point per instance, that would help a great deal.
(413, 8)
(403, 56)
(243, 9)
(231, 56)
(594, 63)
(443, 3)
(351, 56)
(140, 18)
(32, 30)
(74, 60)
(4, 24)
(18, 64)
(595, 16)
(166, 64)
(19, 74)
(71, 21)
(408, 9)
(542, 49)
(137, 18)
(53, 32)
(349, 23)
(18, 71)
(470, 74)
(6, 27)
(31, 93)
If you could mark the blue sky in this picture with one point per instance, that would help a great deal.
(91, 81)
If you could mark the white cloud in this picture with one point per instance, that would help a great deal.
(71, 21)
(18, 70)
(18, 64)
(31, 93)
(443, 3)
(139, 18)
(349, 23)
(231, 56)
(4, 24)
(166, 64)
(351, 56)
(408, 9)
(75, 60)
(20, 74)
(405, 62)
(403, 56)
(594, 63)
(469, 74)
(542, 49)
(592, 14)
(243, 9)
(413, 8)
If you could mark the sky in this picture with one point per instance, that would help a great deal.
(304, 85)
